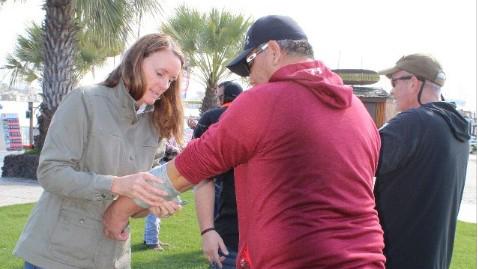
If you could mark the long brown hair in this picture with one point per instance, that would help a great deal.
(168, 111)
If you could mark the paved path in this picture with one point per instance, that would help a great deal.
(19, 191)
(468, 204)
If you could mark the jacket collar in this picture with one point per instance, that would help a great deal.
(128, 104)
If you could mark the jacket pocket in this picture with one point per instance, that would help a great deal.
(75, 239)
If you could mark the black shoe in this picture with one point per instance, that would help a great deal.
(156, 247)
(160, 246)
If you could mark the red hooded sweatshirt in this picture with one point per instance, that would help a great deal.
(304, 150)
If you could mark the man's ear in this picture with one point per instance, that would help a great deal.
(416, 84)
(275, 52)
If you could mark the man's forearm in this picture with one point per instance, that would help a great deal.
(180, 183)
(171, 183)
(125, 207)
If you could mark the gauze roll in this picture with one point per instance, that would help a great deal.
(161, 172)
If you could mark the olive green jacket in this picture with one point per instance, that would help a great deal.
(94, 135)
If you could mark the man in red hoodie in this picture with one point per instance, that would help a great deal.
(304, 151)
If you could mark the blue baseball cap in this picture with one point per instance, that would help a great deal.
(272, 27)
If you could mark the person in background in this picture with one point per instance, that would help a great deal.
(304, 151)
(422, 167)
(101, 140)
(216, 199)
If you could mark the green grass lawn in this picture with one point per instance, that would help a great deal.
(182, 233)
(464, 251)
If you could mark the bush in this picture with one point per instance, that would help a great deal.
(20, 165)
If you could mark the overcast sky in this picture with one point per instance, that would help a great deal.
(369, 34)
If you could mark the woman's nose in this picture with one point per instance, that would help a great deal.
(164, 84)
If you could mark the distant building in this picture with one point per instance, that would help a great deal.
(378, 102)
(19, 94)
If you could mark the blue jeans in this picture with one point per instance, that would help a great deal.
(28, 265)
(229, 262)
(151, 229)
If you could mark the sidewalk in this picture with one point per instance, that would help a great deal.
(19, 191)
(468, 203)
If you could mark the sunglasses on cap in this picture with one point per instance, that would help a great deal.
(253, 55)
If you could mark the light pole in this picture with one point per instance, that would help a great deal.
(32, 97)
(30, 110)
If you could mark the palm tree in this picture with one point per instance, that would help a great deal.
(26, 62)
(209, 42)
(105, 21)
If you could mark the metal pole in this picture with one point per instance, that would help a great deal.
(30, 108)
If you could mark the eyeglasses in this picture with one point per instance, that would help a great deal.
(394, 80)
(252, 56)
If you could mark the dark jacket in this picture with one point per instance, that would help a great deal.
(420, 183)
(207, 119)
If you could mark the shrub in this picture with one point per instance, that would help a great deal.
(20, 165)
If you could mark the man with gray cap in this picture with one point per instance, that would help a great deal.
(422, 168)
(304, 151)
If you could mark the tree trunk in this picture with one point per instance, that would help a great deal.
(43, 122)
(210, 98)
(59, 54)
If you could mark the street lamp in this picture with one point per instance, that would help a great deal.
(31, 98)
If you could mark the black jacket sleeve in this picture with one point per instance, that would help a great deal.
(207, 119)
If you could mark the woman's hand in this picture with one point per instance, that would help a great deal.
(166, 209)
(139, 186)
(115, 222)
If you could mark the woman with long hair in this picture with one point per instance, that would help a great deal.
(101, 141)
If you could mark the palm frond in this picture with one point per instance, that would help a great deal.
(209, 40)
(109, 20)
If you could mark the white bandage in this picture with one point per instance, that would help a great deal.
(162, 173)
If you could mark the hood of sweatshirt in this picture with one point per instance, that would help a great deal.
(457, 124)
(314, 75)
